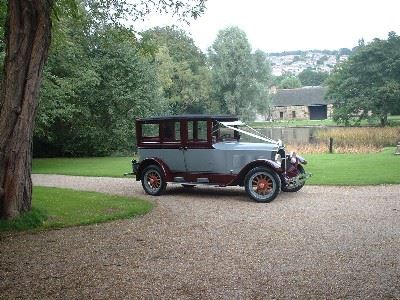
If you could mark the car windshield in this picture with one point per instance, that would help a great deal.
(228, 129)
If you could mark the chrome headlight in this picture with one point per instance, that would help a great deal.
(278, 158)
(293, 158)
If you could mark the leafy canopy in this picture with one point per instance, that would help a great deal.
(308, 77)
(367, 86)
(181, 69)
(289, 82)
(99, 78)
(240, 78)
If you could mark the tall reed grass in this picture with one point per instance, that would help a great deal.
(352, 140)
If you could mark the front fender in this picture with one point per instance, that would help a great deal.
(270, 164)
(153, 161)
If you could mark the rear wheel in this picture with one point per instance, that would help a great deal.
(262, 185)
(153, 180)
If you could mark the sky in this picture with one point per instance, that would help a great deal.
(284, 25)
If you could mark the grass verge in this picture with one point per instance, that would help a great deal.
(58, 208)
(354, 169)
(331, 169)
(93, 166)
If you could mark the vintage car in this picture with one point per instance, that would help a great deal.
(206, 150)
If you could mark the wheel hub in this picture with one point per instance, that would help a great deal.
(263, 185)
(153, 181)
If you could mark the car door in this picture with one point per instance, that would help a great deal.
(197, 151)
(171, 149)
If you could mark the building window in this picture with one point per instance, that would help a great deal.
(293, 114)
(281, 115)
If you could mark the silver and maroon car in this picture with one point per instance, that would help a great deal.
(206, 150)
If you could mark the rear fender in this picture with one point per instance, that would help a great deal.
(153, 161)
(269, 164)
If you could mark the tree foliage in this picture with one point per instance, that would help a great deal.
(239, 77)
(93, 88)
(289, 82)
(28, 37)
(308, 77)
(182, 70)
(368, 84)
(99, 78)
(263, 76)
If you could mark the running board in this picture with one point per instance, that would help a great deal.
(194, 183)
(202, 180)
(179, 179)
(198, 181)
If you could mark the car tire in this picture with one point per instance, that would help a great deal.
(153, 180)
(262, 184)
(297, 188)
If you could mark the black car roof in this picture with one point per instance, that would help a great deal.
(189, 117)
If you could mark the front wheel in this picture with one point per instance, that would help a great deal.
(153, 180)
(297, 183)
(262, 185)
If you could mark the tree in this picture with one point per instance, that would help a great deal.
(308, 77)
(289, 82)
(344, 51)
(367, 86)
(93, 87)
(182, 70)
(236, 80)
(28, 36)
(263, 77)
(3, 11)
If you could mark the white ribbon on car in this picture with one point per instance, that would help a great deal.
(239, 123)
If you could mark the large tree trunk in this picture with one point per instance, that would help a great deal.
(28, 33)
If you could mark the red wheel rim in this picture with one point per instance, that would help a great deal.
(262, 184)
(154, 180)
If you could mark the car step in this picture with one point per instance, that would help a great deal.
(198, 181)
(202, 180)
(179, 179)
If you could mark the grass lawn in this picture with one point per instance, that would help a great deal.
(57, 208)
(94, 166)
(354, 169)
(329, 169)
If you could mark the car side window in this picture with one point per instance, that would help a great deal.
(151, 130)
(172, 132)
(197, 131)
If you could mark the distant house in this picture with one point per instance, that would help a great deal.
(307, 103)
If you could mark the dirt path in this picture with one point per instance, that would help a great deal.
(214, 243)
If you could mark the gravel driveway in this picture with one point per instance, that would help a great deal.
(214, 243)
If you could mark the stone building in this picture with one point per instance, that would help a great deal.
(307, 103)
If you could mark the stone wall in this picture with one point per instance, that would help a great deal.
(290, 113)
(301, 112)
(329, 111)
(296, 112)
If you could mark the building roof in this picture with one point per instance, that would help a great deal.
(307, 96)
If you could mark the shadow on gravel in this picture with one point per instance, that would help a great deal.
(206, 193)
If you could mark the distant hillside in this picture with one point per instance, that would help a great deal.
(341, 51)
(294, 62)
